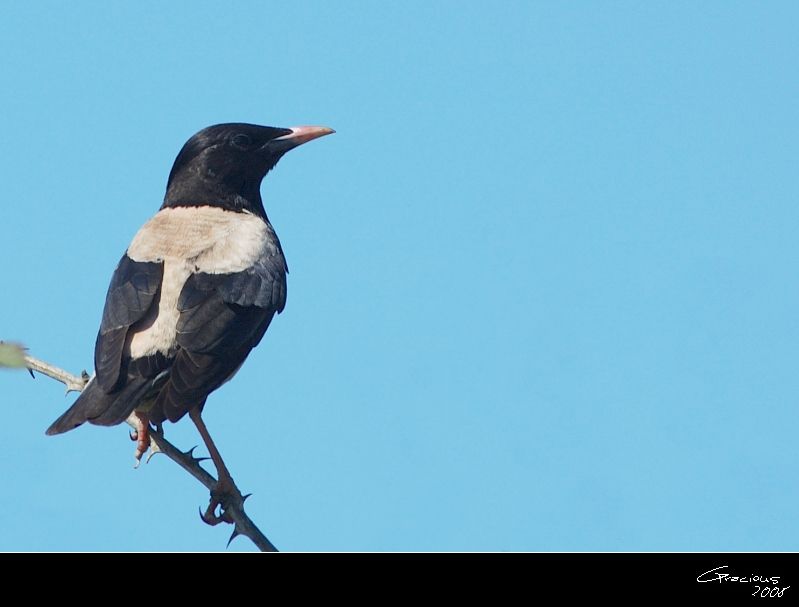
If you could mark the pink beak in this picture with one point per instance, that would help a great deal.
(304, 134)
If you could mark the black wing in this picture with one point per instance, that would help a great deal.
(114, 391)
(222, 318)
(133, 289)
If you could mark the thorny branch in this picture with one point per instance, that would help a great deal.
(233, 507)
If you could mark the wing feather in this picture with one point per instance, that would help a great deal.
(222, 318)
(134, 288)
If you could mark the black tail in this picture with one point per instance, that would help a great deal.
(97, 407)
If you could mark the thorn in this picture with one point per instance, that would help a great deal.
(190, 455)
(236, 533)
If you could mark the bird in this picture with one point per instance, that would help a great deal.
(194, 292)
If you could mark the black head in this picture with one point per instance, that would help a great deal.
(223, 165)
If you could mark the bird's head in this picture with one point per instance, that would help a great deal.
(223, 165)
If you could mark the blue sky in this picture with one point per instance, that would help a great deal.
(543, 279)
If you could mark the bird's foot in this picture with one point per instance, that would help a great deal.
(141, 434)
(223, 495)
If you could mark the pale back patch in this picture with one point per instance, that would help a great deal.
(216, 240)
(189, 240)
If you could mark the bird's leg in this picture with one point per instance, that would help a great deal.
(141, 435)
(225, 488)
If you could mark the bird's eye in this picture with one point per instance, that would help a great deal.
(241, 141)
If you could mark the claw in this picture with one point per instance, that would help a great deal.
(31, 372)
(219, 499)
(138, 455)
(134, 436)
(153, 450)
(209, 517)
(244, 497)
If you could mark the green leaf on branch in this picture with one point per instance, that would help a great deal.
(12, 355)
